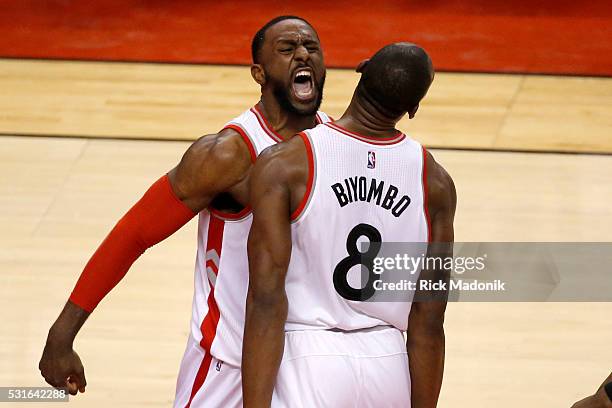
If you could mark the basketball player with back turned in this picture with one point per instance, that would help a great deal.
(210, 180)
(314, 197)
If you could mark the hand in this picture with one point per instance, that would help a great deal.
(61, 366)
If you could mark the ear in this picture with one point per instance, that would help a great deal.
(413, 112)
(362, 65)
(258, 74)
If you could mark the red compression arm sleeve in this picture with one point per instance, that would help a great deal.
(156, 216)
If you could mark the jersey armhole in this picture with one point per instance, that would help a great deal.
(311, 177)
(246, 139)
(227, 216)
(425, 194)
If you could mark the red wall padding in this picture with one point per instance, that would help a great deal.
(549, 36)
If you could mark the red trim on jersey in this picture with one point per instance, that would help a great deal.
(265, 125)
(214, 242)
(222, 215)
(246, 139)
(310, 182)
(425, 193)
(211, 320)
(398, 137)
(200, 377)
(318, 119)
(246, 210)
(263, 122)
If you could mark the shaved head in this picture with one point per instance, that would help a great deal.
(396, 78)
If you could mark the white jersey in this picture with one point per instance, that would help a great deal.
(221, 270)
(358, 187)
(210, 370)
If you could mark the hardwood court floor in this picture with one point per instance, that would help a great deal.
(59, 197)
(184, 101)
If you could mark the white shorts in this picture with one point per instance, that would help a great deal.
(206, 382)
(324, 368)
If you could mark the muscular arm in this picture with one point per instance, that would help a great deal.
(211, 165)
(278, 179)
(425, 342)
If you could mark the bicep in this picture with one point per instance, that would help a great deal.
(442, 229)
(442, 203)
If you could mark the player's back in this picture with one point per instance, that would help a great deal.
(339, 351)
(360, 189)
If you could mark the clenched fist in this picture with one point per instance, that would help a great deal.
(61, 366)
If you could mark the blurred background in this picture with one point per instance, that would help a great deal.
(99, 98)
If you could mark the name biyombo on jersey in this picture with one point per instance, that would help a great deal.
(370, 190)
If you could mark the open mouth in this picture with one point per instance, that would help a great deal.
(303, 85)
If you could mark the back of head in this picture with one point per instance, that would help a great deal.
(396, 78)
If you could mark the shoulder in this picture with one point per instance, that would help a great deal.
(441, 191)
(283, 163)
(227, 146)
(213, 163)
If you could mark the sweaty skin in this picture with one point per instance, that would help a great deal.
(214, 170)
(280, 175)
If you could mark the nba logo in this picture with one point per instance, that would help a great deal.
(371, 160)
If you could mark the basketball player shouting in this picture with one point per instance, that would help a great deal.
(313, 197)
(211, 179)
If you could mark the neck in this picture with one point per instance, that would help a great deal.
(363, 117)
(286, 124)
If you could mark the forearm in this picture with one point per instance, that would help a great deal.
(157, 215)
(110, 263)
(426, 345)
(264, 340)
(425, 338)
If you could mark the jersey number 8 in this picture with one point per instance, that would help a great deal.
(356, 257)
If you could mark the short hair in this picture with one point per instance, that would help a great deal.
(260, 35)
(397, 77)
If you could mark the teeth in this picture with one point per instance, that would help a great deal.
(303, 74)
